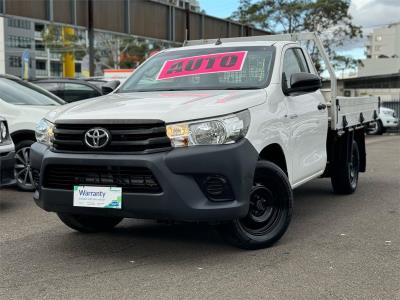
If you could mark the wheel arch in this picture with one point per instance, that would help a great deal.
(22, 135)
(274, 153)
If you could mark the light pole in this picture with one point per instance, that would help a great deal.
(91, 38)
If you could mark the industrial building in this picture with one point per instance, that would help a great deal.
(33, 33)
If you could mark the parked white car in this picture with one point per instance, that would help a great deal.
(219, 131)
(7, 155)
(23, 104)
(387, 119)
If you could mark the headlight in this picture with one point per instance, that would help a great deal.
(3, 132)
(223, 130)
(44, 132)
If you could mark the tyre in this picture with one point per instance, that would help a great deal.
(89, 224)
(22, 167)
(270, 210)
(377, 129)
(345, 172)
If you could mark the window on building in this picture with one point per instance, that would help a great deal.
(14, 61)
(19, 23)
(39, 27)
(378, 38)
(19, 42)
(56, 69)
(78, 68)
(39, 46)
(40, 65)
(378, 48)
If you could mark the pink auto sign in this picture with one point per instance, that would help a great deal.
(203, 64)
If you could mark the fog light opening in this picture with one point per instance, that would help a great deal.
(217, 188)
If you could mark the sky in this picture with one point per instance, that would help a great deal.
(369, 14)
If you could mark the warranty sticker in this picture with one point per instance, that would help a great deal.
(98, 196)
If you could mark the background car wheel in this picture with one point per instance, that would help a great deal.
(270, 210)
(22, 167)
(89, 224)
(344, 178)
(377, 128)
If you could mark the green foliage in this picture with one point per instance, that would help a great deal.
(329, 18)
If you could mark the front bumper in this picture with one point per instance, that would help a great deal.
(392, 122)
(7, 159)
(182, 197)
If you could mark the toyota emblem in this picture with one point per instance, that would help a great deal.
(97, 138)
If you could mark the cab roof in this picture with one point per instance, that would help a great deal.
(232, 44)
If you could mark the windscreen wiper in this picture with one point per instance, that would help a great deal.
(242, 88)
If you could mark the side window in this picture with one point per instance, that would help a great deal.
(52, 87)
(302, 60)
(76, 91)
(293, 62)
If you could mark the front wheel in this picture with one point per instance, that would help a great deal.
(270, 210)
(22, 167)
(89, 224)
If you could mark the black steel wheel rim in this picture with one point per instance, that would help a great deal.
(354, 167)
(22, 167)
(265, 211)
(374, 129)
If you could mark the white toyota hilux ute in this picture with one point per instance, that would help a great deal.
(218, 131)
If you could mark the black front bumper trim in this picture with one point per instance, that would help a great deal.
(181, 198)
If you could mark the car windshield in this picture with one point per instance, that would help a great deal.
(207, 68)
(23, 93)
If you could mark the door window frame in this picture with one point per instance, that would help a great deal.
(294, 48)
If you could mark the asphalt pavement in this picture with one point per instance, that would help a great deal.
(337, 247)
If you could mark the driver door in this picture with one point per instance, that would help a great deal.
(308, 124)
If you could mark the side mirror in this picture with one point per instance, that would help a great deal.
(303, 82)
(109, 87)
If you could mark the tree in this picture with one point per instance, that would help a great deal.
(344, 63)
(57, 42)
(329, 18)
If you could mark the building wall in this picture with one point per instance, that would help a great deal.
(385, 86)
(384, 41)
(18, 37)
(45, 62)
(193, 5)
(379, 66)
(382, 51)
(384, 94)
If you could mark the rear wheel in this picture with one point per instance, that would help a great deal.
(270, 210)
(22, 168)
(89, 224)
(345, 173)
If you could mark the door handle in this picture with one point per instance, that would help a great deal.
(293, 116)
(321, 106)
